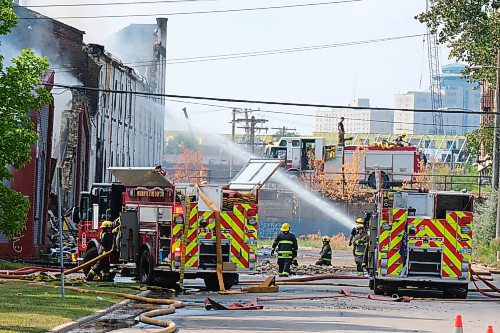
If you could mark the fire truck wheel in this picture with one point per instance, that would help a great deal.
(458, 291)
(372, 180)
(378, 288)
(91, 254)
(145, 267)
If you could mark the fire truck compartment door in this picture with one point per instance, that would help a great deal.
(254, 174)
(139, 177)
(129, 236)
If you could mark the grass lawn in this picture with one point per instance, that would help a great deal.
(10, 265)
(26, 308)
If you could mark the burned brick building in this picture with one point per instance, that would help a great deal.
(33, 182)
(109, 126)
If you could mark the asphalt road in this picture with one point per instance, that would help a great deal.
(428, 313)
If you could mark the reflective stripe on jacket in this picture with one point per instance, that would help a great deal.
(360, 242)
(286, 244)
(326, 253)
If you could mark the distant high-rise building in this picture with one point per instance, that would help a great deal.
(356, 120)
(458, 94)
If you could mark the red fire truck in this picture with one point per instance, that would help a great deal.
(421, 240)
(153, 216)
(299, 153)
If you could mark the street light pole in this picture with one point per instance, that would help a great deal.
(496, 146)
(496, 137)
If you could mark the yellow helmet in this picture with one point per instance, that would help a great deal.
(285, 227)
(325, 239)
(106, 224)
(403, 134)
(360, 221)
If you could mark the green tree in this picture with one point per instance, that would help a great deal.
(280, 134)
(20, 93)
(482, 135)
(471, 29)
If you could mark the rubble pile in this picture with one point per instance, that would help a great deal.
(267, 268)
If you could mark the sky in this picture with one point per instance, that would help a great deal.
(332, 76)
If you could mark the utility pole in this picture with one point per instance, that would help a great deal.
(250, 127)
(283, 129)
(233, 134)
(496, 148)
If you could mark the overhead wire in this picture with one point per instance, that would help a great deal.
(219, 11)
(234, 100)
(258, 53)
(116, 3)
(312, 115)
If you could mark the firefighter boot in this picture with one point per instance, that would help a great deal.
(108, 277)
(90, 276)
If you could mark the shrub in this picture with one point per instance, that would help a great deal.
(485, 220)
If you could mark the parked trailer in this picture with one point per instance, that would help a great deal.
(151, 214)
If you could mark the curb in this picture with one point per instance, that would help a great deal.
(84, 320)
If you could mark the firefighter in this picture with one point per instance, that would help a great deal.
(360, 242)
(325, 258)
(106, 244)
(341, 131)
(160, 170)
(400, 140)
(354, 230)
(287, 249)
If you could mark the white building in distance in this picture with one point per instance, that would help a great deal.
(356, 120)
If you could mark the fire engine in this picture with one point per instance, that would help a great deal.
(397, 163)
(154, 214)
(421, 240)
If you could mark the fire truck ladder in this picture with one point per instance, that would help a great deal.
(435, 79)
(184, 239)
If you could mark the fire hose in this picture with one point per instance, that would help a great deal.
(490, 285)
(146, 317)
(343, 293)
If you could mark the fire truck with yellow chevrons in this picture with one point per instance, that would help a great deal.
(421, 239)
(155, 239)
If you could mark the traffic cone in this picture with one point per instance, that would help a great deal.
(489, 329)
(458, 325)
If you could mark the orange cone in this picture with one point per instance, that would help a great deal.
(490, 329)
(458, 325)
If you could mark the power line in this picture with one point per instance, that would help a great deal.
(289, 50)
(316, 116)
(260, 53)
(113, 3)
(233, 100)
(193, 12)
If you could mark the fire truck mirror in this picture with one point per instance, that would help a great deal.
(95, 216)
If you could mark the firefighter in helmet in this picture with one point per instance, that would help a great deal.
(287, 249)
(325, 258)
(105, 245)
(354, 230)
(360, 242)
(400, 140)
